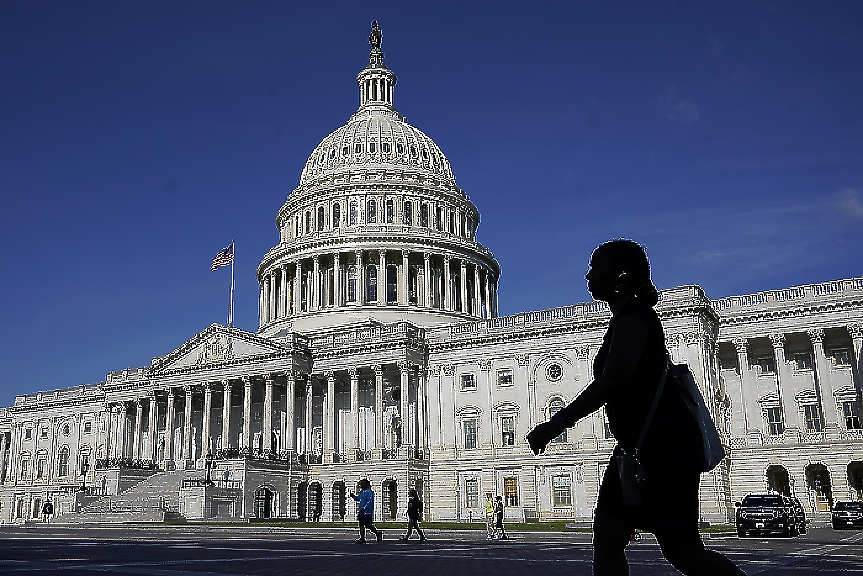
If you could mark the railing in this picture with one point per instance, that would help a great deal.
(247, 454)
(125, 464)
(374, 333)
(216, 482)
(824, 289)
(310, 459)
(363, 455)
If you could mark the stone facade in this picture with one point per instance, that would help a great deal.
(380, 354)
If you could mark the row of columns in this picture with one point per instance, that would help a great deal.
(824, 382)
(118, 445)
(292, 288)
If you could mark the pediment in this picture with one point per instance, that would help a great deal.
(217, 344)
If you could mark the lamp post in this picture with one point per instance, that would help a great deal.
(208, 462)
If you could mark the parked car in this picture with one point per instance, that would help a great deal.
(847, 515)
(767, 514)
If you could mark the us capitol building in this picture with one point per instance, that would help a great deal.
(380, 353)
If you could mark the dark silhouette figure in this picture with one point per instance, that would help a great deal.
(415, 508)
(627, 372)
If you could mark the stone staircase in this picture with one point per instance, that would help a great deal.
(151, 500)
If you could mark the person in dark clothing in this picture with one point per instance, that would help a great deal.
(627, 372)
(415, 508)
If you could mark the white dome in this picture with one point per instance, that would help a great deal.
(377, 137)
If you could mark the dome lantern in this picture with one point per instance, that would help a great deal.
(376, 81)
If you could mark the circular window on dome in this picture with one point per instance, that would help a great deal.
(554, 372)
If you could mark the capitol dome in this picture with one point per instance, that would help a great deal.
(376, 228)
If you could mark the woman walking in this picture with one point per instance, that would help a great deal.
(415, 508)
(627, 373)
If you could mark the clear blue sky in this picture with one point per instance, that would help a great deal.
(138, 138)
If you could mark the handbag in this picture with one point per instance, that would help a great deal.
(712, 452)
(632, 474)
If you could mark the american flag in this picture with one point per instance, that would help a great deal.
(224, 257)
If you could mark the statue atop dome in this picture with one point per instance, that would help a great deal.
(375, 36)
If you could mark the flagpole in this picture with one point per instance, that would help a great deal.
(231, 309)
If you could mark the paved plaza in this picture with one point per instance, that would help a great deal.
(262, 551)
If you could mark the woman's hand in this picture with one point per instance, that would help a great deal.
(539, 437)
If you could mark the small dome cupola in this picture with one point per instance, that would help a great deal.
(376, 81)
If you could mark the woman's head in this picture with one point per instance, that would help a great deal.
(620, 268)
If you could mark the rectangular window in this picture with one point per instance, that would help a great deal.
(390, 211)
(510, 491)
(852, 416)
(507, 427)
(88, 427)
(41, 465)
(766, 365)
(803, 361)
(25, 468)
(504, 377)
(28, 433)
(44, 432)
(468, 382)
(471, 493)
(561, 486)
(841, 357)
(812, 415)
(470, 434)
(775, 426)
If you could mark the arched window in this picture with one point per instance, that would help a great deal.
(385, 147)
(371, 147)
(345, 151)
(390, 211)
(63, 462)
(353, 213)
(352, 283)
(424, 215)
(308, 221)
(555, 406)
(297, 226)
(400, 148)
(337, 214)
(438, 218)
(452, 222)
(409, 213)
(372, 283)
(358, 148)
(332, 153)
(320, 218)
(371, 212)
(469, 227)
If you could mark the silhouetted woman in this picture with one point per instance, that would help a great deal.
(627, 371)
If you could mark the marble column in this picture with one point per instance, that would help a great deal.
(247, 415)
(169, 427)
(477, 299)
(151, 429)
(361, 278)
(206, 444)
(226, 414)
(463, 285)
(308, 422)
(188, 441)
(139, 425)
(314, 285)
(379, 406)
(823, 381)
(273, 292)
(427, 280)
(290, 402)
(421, 415)
(268, 414)
(751, 409)
(856, 332)
(284, 296)
(337, 280)
(404, 392)
(355, 410)
(487, 290)
(330, 417)
(404, 298)
(785, 390)
(298, 287)
(447, 284)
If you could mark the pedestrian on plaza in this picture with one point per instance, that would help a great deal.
(489, 516)
(415, 508)
(627, 371)
(499, 532)
(366, 511)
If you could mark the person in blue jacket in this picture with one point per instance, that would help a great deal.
(366, 499)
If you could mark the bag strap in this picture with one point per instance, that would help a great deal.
(652, 408)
